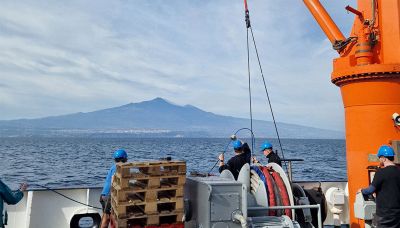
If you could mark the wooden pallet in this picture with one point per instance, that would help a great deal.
(150, 168)
(134, 195)
(150, 220)
(132, 210)
(148, 193)
(149, 182)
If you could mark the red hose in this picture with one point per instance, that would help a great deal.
(270, 185)
(283, 192)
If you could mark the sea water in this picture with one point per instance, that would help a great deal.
(84, 162)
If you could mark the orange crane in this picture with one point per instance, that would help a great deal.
(368, 74)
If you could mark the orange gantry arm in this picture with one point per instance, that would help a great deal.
(325, 21)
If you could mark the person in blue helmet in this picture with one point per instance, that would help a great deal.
(242, 156)
(119, 155)
(386, 186)
(269, 153)
(10, 197)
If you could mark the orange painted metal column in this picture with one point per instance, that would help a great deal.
(369, 106)
(368, 74)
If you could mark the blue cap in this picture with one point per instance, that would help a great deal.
(265, 145)
(120, 153)
(385, 151)
(237, 144)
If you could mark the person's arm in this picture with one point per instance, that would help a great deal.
(9, 196)
(255, 160)
(107, 182)
(368, 191)
(376, 184)
(246, 148)
(228, 165)
(377, 181)
(247, 152)
(222, 166)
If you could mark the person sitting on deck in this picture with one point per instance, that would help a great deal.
(266, 148)
(120, 155)
(242, 156)
(10, 197)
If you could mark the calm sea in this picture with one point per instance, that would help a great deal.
(84, 162)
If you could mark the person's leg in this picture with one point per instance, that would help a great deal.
(105, 220)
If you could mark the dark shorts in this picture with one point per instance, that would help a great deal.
(106, 204)
(390, 220)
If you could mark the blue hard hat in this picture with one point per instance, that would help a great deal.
(265, 145)
(120, 153)
(385, 151)
(237, 144)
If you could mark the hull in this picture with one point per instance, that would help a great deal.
(46, 209)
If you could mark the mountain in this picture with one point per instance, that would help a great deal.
(156, 117)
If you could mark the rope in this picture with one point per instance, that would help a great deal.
(248, 25)
(67, 197)
(248, 70)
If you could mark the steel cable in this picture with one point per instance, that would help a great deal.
(248, 25)
(67, 197)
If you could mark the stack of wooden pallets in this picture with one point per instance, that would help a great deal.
(148, 193)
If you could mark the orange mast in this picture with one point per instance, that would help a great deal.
(368, 74)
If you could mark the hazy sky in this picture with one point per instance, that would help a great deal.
(59, 57)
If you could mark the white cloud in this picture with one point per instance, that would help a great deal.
(60, 57)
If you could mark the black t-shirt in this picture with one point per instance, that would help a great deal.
(247, 151)
(236, 163)
(387, 189)
(272, 157)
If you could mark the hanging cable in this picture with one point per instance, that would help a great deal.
(67, 197)
(248, 25)
(247, 18)
(226, 147)
(268, 98)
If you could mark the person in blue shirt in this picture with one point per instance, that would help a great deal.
(10, 197)
(120, 155)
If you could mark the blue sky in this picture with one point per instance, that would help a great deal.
(59, 57)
